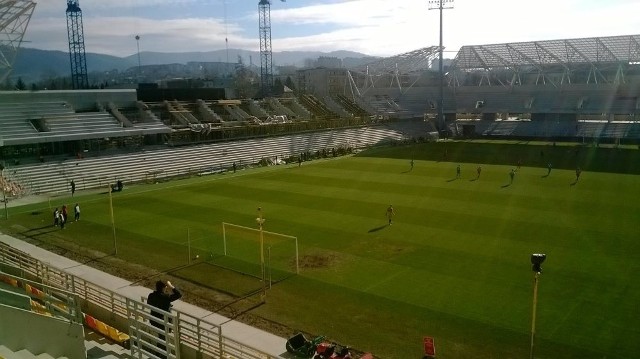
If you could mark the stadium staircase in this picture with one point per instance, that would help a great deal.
(179, 115)
(317, 108)
(281, 109)
(335, 106)
(256, 110)
(207, 113)
(295, 106)
(351, 106)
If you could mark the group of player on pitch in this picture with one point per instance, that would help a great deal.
(391, 212)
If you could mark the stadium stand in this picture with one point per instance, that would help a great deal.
(151, 165)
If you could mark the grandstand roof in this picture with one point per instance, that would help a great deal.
(416, 60)
(594, 50)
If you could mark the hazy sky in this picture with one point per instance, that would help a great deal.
(374, 27)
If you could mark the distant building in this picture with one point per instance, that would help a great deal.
(323, 81)
(330, 62)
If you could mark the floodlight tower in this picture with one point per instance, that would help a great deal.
(441, 5)
(266, 55)
(75, 31)
(14, 20)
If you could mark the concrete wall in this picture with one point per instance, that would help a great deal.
(21, 329)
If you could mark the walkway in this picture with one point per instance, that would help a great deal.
(242, 333)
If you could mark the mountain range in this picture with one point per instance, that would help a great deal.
(32, 65)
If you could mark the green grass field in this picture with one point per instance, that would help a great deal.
(454, 265)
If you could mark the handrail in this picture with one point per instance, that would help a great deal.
(60, 303)
(203, 336)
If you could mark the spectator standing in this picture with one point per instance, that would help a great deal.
(161, 299)
(56, 217)
(63, 216)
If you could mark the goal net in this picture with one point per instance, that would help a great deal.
(241, 251)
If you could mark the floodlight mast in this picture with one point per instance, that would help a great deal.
(441, 5)
(266, 55)
(78, 59)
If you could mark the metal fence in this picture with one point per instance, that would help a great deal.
(181, 328)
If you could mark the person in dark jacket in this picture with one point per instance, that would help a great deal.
(161, 298)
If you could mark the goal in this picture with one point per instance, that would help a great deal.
(241, 248)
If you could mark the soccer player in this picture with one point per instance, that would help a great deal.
(412, 164)
(549, 168)
(458, 171)
(578, 172)
(390, 214)
(512, 174)
(479, 169)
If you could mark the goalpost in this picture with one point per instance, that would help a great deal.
(242, 248)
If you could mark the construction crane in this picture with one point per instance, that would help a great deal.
(14, 20)
(78, 58)
(266, 55)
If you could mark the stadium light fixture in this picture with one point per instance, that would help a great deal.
(441, 5)
(260, 221)
(536, 265)
(139, 63)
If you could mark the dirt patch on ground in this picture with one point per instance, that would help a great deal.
(311, 261)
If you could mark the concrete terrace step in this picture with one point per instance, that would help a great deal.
(101, 348)
(7, 353)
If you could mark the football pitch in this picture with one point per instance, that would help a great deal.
(454, 264)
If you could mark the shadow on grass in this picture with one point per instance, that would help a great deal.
(451, 180)
(506, 185)
(50, 228)
(473, 179)
(545, 176)
(573, 183)
(377, 228)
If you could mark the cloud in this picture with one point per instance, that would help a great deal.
(53, 7)
(116, 35)
(375, 27)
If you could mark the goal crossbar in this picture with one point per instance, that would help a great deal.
(257, 231)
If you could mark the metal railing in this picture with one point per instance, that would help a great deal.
(204, 337)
